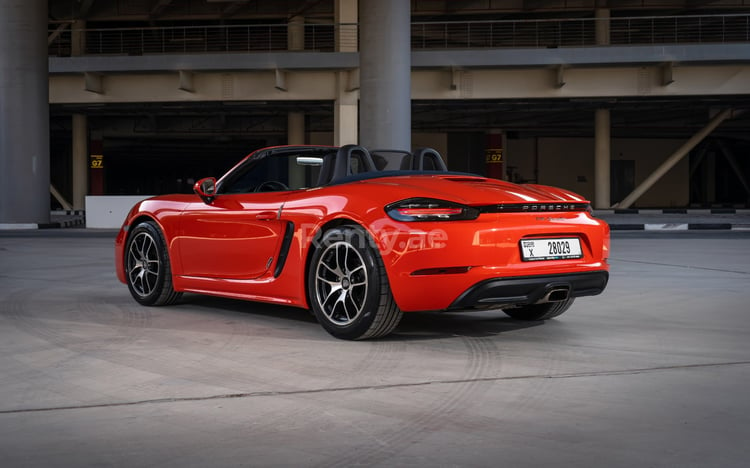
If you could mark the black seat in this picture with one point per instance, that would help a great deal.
(350, 160)
(427, 159)
(326, 169)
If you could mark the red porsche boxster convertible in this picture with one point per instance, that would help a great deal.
(361, 236)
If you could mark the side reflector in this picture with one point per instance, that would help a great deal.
(442, 271)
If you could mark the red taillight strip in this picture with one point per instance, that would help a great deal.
(429, 211)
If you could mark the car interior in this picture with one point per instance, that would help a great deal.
(306, 167)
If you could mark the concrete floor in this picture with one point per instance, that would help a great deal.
(651, 373)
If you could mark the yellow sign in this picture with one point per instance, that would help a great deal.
(494, 155)
(97, 161)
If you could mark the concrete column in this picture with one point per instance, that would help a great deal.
(80, 133)
(24, 113)
(78, 38)
(296, 136)
(295, 128)
(385, 74)
(602, 159)
(602, 26)
(346, 105)
(80, 161)
(345, 112)
(346, 25)
(296, 33)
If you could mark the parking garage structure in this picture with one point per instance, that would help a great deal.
(636, 107)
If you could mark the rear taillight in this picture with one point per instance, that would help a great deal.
(429, 209)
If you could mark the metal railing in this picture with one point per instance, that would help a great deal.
(581, 32)
(205, 39)
(694, 29)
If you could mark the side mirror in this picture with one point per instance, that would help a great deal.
(206, 189)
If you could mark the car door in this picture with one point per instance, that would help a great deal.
(237, 236)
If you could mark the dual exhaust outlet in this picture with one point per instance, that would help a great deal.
(555, 294)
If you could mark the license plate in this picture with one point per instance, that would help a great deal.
(550, 249)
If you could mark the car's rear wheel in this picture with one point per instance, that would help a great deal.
(147, 266)
(348, 287)
(544, 311)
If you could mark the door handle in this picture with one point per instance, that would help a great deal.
(266, 216)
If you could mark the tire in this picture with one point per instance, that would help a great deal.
(348, 288)
(544, 311)
(147, 267)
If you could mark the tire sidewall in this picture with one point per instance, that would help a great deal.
(363, 244)
(164, 267)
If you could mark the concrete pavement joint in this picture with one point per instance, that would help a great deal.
(721, 270)
(230, 396)
(615, 226)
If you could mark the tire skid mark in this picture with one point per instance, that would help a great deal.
(214, 365)
(197, 366)
(481, 352)
(204, 364)
(129, 328)
(14, 309)
(375, 361)
(114, 341)
(541, 389)
(172, 362)
(58, 335)
(109, 334)
(381, 358)
(378, 359)
(134, 325)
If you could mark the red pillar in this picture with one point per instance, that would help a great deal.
(494, 157)
(96, 167)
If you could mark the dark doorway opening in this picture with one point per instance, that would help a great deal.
(621, 179)
(720, 173)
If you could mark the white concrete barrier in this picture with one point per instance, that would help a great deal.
(109, 211)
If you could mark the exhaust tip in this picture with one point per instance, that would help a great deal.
(556, 294)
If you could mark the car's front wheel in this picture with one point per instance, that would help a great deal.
(147, 266)
(348, 288)
(544, 311)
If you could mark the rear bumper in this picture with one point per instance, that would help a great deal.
(530, 289)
